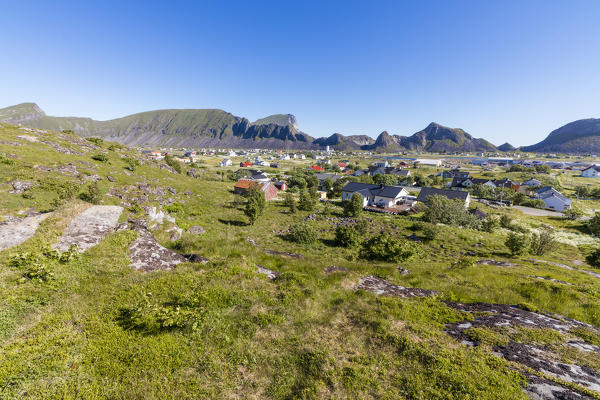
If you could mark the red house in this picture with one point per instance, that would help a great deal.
(317, 168)
(242, 186)
(244, 164)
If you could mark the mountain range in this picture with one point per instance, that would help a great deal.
(218, 128)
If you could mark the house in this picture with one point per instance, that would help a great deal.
(382, 164)
(259, 176)
(244, 164)
(593, 171)
(553, 199)
(427, 192)
(455, 173)
(470, 182)
(243, 185)
(225, 163)
(532, 183)
(280, 185)
(375, 195)
(428, 162)
(316, 168)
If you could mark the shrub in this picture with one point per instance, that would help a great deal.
(490, 224)
(450, 212)
(290, 202)
(430, 231)
(574, 213)
(171, 162)
(594, 258)
(517, 243)
(5, 160)
(96, 140)
(354, 206)
(362, 226)
(92, 194)
(174, 208)
(307, 201)
(100, 157)
(302, 232)
(255, 203)
(346, 236)
(506, 221)
(132, 163)
(386, 247)
(543, 242)
(594, 224)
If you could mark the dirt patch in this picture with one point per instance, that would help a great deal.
(15, 231)
(89, 228)
(383, 287)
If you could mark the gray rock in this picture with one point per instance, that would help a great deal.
(196, 230)
(110, 178)
(18, 230)
(21, 186)
(88, 228)
(272, 275)
(383, 287)
(172, 190)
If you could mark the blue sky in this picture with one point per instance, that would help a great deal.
(504, 70)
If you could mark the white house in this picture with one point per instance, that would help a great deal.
(225, 163)
(593, 171)
(429, 162)
(375, 195)
(553, 199)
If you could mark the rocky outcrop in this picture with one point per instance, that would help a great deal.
(88, 228)
(385, 288)
(15, 231)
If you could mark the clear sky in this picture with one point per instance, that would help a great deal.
(510, 70)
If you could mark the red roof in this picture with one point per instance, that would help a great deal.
(342, 165)
(246, 164)
(317, 168)
(245, 184)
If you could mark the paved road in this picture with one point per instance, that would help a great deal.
(536, 212)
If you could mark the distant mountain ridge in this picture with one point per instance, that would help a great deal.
(218, 128)
(577, 137)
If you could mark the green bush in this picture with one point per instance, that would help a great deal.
(174, 208)
(543, 242)
(302, 232)
(96, 140)
(100, 157)
(354, 206)
(490, 224)
(573, 213)
(4, 159)
(594, 258)
(594, 224)
(385, 247)
(517, 243)
(307, 201)
(290, 202)
(346, 236)
(171, 162)
(92, 194)
(131, 163)
(430, 231)
(440, 209)
(255, 203)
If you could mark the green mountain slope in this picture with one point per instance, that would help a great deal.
(582, 136)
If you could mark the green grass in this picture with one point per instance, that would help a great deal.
(100, 330)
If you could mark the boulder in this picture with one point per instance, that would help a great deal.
(196, 230)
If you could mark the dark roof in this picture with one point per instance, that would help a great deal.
(478, 213)
(451, 194)
(357, 186)
(388, 191)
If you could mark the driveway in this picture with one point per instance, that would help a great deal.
(537, 212)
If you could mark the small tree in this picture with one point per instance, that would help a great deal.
(594, 258)
(517, 243)
(306, 202)
(574, 213)
(543, 242)
(386, 247)
(92, 194)
(255, 203)
(450, 212)
(594, 224)
(490, 224)
(346, 236)
(290, 202)
(302, 232)
(354, 206)
(327, 184)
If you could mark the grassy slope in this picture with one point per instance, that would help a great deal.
(304, 335)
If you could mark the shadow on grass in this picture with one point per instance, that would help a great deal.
(233, 222)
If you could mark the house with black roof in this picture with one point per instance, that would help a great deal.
(375, 195)
(427, 192)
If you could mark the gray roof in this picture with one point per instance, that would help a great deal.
(388, 191)
(357, 186)
(426, 192)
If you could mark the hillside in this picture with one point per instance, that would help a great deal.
(121, 277)
(173, 128)
(577, 137)
(506, 147)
